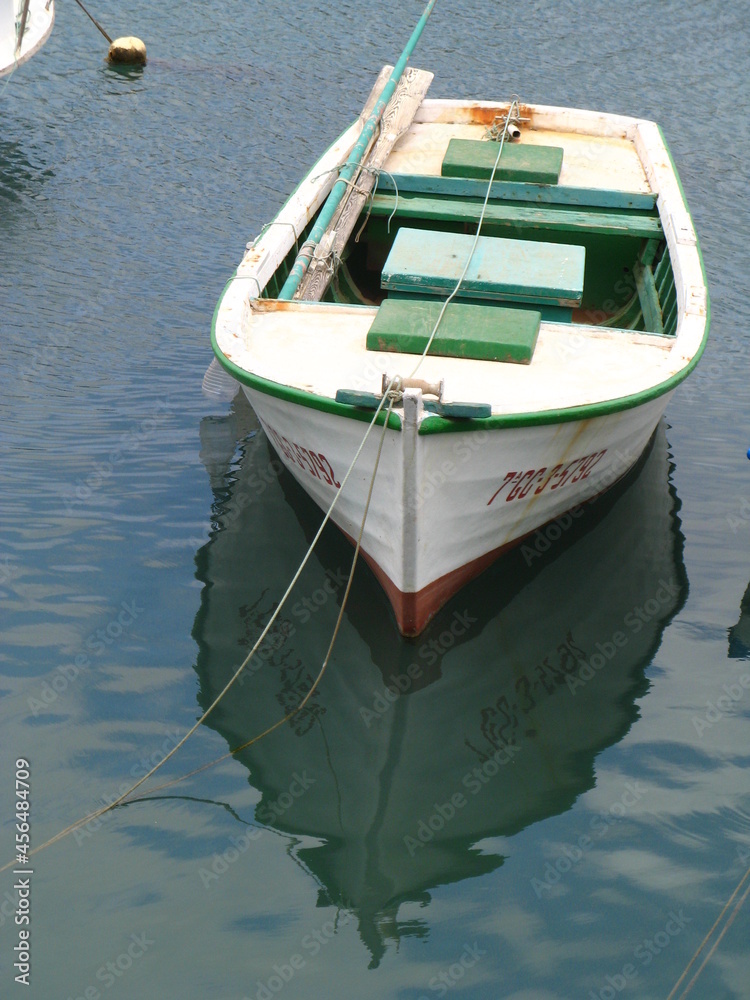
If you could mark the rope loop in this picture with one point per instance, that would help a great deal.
(276, 222)
(498, 130)
(513, 113)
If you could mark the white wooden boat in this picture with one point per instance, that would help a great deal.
(24, 27)
(584, 305)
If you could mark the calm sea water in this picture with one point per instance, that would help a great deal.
(378, 846)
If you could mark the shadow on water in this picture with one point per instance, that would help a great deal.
(411, 753)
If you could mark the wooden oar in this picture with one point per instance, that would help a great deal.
(396, 120)
(22, 28)
(352, 165)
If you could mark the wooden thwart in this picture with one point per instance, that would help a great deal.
(397, 118)
(467, 330)
(474, 158)
(513, 191)
(429, 261)
(638, 225)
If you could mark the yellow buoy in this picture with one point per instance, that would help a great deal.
(127, 50)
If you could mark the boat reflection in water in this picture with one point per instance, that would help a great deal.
(739, 634)
(411, 753)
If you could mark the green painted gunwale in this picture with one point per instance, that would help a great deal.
(444, 425)
(289, 393)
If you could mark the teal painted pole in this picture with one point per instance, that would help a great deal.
(352, 164)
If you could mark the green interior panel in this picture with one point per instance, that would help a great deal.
(608, 283)
(467, 330)
(476, 158)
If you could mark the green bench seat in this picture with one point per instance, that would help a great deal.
(467, 330)
(428, 261)
(475, 158)
(534, 194)
(515, 215)
(549, 314)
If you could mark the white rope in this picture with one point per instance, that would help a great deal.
(706, 939)
(376, 172)
(508, 118)
(387, 397)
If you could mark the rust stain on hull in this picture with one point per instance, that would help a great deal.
(478, 115)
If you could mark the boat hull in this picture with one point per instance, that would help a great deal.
(39, 21)
(445, 506)
(510, 446)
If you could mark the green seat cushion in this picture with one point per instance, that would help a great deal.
(480, 331)
(476, 158)
(429, 261)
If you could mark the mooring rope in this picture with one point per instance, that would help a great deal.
(316, 682)
(92, 18)
(125, 797)
(388, 395)
(706, 939)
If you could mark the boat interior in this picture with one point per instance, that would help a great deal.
(569, 290)
(547, 198)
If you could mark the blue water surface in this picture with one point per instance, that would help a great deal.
(383, 844)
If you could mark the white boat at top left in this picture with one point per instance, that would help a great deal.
(24, 28)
